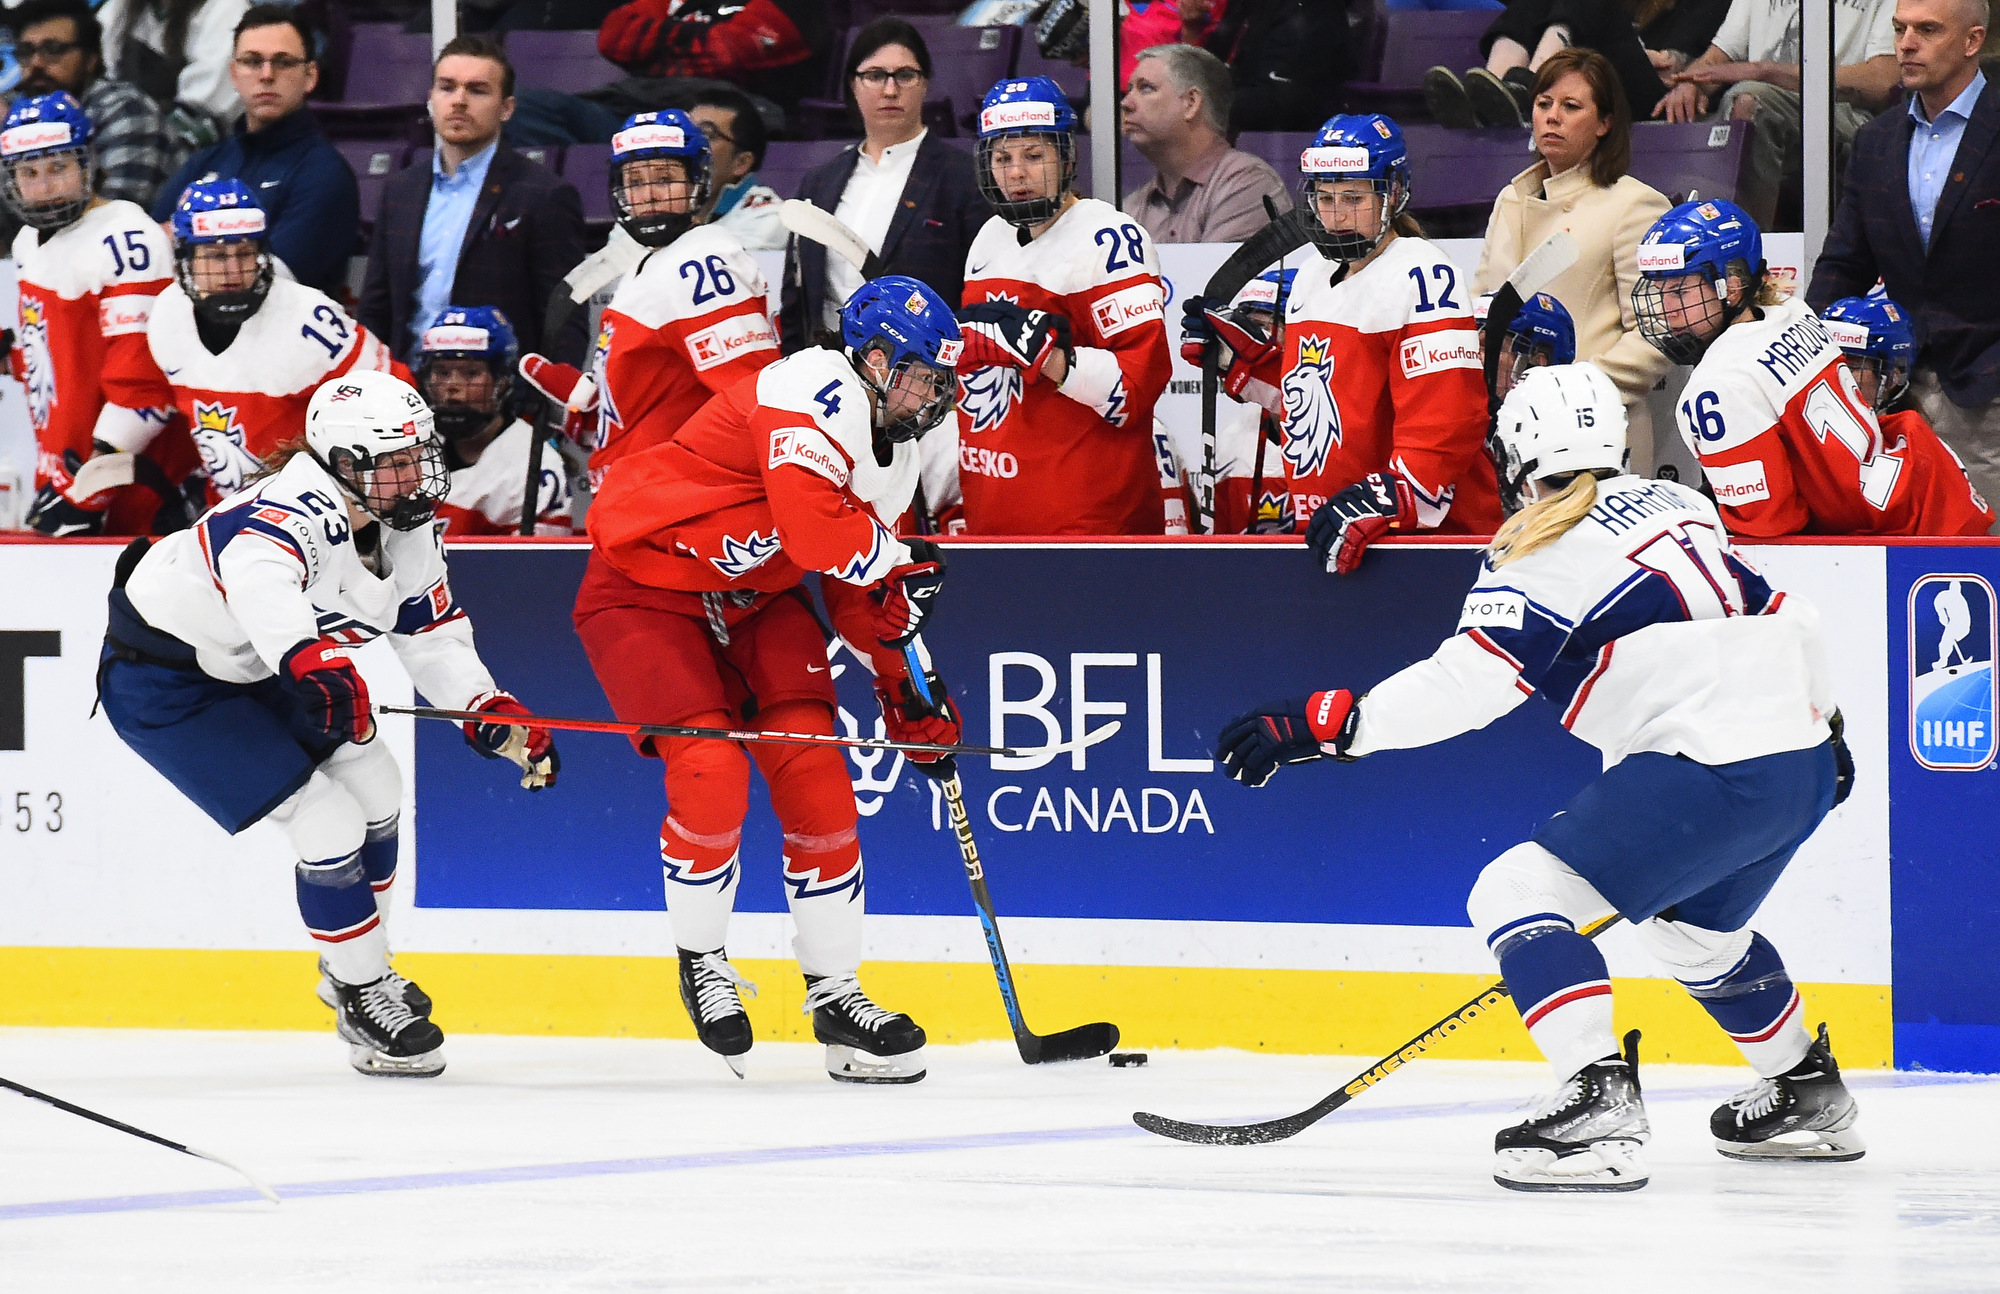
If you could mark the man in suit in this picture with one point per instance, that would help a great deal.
(480, 226)
(1920, 209)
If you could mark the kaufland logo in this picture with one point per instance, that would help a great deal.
(1014, 116)
(456, 337)
(232, 222)
(1661, 256)
(1847, 336)
(948, 352)
(653, 136)
(1333, 161)
(40, 134)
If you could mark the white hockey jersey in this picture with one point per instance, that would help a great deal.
(485, 497)
(275, 565)
(1645, 630)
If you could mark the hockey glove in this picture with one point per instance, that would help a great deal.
(1843, 760)
(1347, 523)
(903, 600)
(59, 512)
(1244, 344)
(533, 750)
(567, 386)
(1000, 334)
(320, 674)
(908, 717)
(1252, 746)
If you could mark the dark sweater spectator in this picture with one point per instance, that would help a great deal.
(764, 46)
(60, 47)
(309, 195)
(1288, 59)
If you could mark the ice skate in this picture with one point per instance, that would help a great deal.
(1586, 1137)
(708, 990)
(406, 991)
(864, 1042)
(384, 1037)
(1803, 1113)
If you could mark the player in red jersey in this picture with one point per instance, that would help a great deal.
(1378, 380)
(88, 270)
(1786, 440)
(691, 612)
(1065, 339)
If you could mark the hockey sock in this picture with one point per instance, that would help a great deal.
(325, 825)
(369, 774)
(1562, 988)
(1743, 984)
(814, 799)
(708, 792)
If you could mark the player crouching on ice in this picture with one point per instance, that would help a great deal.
(1619, 600)
(691, 611)
(227, 667)
(465, 368)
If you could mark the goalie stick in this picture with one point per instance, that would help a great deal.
(678, 730)
(140, 1133)
(1537, 270)
(1258, 1134)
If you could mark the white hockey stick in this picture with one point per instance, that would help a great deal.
(1537, 270)
(823, 227)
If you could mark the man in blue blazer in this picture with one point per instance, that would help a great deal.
(1920, 209)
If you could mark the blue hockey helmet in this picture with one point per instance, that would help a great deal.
(1027, 108)
(1268, 291)
(668, 135)
(49, 134)
(225, 287)
(910, 324)
(1687, 261)
(1875, 335)
(465, 368)
(1353, 147)
(1540, 334)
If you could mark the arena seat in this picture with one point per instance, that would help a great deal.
(387, 83)
(559, 60)
(786, 161)
(373, 161)
(1405, 44)
(588, 167)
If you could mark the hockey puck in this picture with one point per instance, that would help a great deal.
(1128, 1059)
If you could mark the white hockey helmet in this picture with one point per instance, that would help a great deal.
(378, 438)
(1557, 420)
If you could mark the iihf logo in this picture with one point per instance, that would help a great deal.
(1952, 632)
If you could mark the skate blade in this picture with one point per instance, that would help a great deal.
(1603, 1166)
(736, 1064)
(379, 1064)
(849, 1065)
(1838, 1147)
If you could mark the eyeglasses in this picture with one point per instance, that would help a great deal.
(879, 77)
(46, 50)
(714, 132)
(254, 63)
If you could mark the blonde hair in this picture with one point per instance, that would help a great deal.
(1544, 521)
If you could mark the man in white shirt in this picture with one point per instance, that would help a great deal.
(1751, 73)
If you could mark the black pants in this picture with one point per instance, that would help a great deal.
(1602, 25)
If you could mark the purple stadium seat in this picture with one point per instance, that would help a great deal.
(1705, 157)
(549, 155)
(1411, 42)
(967, 62)
(373, 162)
(388, 80)
(560, 60)
(786, 162)
(1461, 168)
(1074, 80)
(588, 167)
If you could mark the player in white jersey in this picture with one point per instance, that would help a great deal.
(465, 368)
(1620, 601)
(227, 667)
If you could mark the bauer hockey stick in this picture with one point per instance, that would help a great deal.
(1258, 1134)
(678, 730)
(141, 1133)
(1081, 1043)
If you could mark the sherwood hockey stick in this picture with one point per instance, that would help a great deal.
(677, 730)
(1536, 271)
(823, 227)
(1258, 1134)
(141, 1133)
(1081, 1043)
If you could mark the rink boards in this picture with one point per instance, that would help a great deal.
(1323, 913)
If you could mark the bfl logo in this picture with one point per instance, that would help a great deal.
(1952, 632)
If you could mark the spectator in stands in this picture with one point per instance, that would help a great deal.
(1147, 23)
(480, 226)
(178, 52)
(1288, 59)
(1176, 113)
(60, 47)
(1647, 42)
(910, 195)
(1919, 208)
(764, 46)
(736, 142)
(1583, 133)
(1751, 73)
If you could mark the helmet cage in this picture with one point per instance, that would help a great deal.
(905, 373)
(1392, 194)
(62, 213)
(359, 473)
(1892, 377)
(457, 420)
(657, 229)
(1688, 344)
(1027, 212)
(224, 307)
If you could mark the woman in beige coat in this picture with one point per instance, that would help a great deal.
(1583, 131)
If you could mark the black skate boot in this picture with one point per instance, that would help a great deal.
(864, 1042)
(386, 1039)
(1804, 1113)
(1586, 1137)
(411, 996)
(708, 990)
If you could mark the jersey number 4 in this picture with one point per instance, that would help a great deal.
(1689, 557)
(1834, 413)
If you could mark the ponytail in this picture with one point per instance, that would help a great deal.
(1544, 521)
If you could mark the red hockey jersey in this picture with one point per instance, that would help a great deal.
(1789, 446)
(1037, 459)
(689, 322)
(1379, 372)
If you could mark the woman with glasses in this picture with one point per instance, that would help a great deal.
(910, 195)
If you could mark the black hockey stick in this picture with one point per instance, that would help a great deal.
(1258, 1134)
(109, 1122)
(1277, 322)
(1537, 270)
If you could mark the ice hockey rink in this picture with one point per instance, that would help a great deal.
(559, 1164)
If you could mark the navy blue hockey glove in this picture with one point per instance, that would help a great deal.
(532, 750)
(320, 674)
(1000, 334)
(1843, 760)
(1347, 523)
(1252, 746)
(56, 514)
(903, 600)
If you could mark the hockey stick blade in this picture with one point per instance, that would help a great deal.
(677, 730)
(1539, 268)
(1268, 245)
(140, 1133)
(1085, 1042)
(823, 227)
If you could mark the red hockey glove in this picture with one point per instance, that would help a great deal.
(1254, 745)
(1000, 334)
(333, 692)
(908, 717)
(1347, 523)
(533, 750)
(569, 387)
(1245, 344)
(903, 600)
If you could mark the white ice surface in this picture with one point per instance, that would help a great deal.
(558, 1164)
